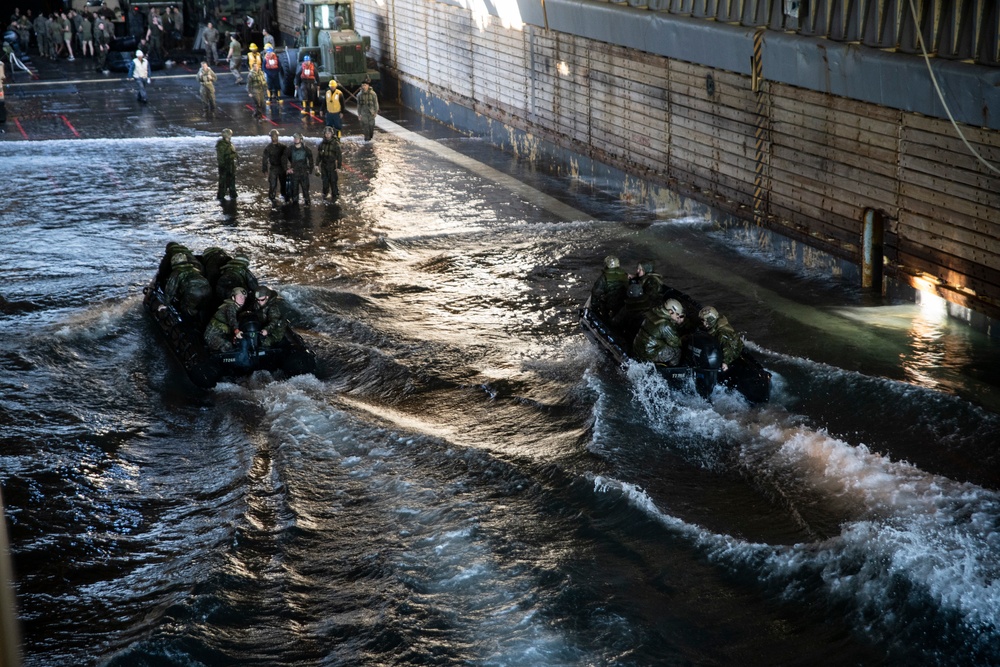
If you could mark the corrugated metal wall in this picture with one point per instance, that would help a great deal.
(803, 162)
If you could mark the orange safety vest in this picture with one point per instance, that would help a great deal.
(308, 70)
(270, 60)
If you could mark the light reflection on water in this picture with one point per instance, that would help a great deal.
(436, 490)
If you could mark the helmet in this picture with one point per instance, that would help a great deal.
(264, 292)
(138, 53)
(178, 258)
(253, 47)
(297, 136)
(227, 133)
(673, 306)
(333, 84)
(273, 133)
(647, 267)
(268, 47)
(708, 315)
(328, 130)
(306, 59)
(238, 291)
(611, 262)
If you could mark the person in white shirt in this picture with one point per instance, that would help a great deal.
(139, 72)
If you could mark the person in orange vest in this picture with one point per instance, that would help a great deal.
(334, 105)
(306, 80)
(253, 57)
(272, 70)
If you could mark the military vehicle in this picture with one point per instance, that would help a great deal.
(330, 39)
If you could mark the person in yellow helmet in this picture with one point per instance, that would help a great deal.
(334, 107)
(253, 57)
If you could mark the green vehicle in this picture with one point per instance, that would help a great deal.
(332, 42)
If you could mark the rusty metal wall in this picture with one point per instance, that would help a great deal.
(795, 146)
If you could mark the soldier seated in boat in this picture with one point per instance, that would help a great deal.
(166, 265)
(642, 295)
(223, 332)
(235, 273)
(187, 289)
(273, 315)
(608, 294)
(730, 341)
(659, 338)
(213, 259)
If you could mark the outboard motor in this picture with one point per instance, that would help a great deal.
(250, 343)
(706, 358)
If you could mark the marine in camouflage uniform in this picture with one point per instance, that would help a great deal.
(608, 294)
(730, 341)
(225, 154)
(659, 338)
(274, 163)
(187, 289)
(367, 109)
(235, 273)
(273, 313)
(207, 78)
(223, 329)
(300, 164)
(166, 263)
(331, 158)
(213, 259)
(257, 89)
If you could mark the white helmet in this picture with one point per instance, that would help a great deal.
(673, 306)
(138, 53)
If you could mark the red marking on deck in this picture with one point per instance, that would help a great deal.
(21, 129)
(70, 126)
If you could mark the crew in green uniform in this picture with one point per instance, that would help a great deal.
(659, 337)
(331, 158)
(223, 329)
(608, 294)
(719, 327)
(187, 289)
(273, 314)
(225, 154)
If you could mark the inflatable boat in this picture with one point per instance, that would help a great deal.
(701, 360)
(206, 368)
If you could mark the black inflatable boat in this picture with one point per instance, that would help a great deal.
(702, 358)
(206, 368)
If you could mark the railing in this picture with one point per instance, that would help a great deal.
(953, 29)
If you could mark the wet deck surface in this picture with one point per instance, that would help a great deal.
(73, 100)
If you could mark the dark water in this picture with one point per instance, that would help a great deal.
(468, 482)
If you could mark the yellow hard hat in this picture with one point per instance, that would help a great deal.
(333, 83)
(253, 47)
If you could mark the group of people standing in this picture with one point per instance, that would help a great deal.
(89, 33)
(657, 328)
(288, 167)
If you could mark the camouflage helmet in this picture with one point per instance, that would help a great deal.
(264, 292)
(238, 291)
(273, 133)
(708, 315)
(227, 133)
(647, 267)
(179, 258)
(297, 136)
(328, 130)
(611, 262)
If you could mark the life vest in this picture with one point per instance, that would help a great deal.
(252, 58)
(270, 60)
(308, 70)
(333, 101)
